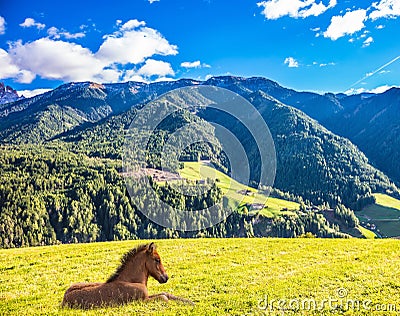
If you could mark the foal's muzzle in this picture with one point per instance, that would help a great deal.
(163, 278)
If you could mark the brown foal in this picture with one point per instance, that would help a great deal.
(128, 283)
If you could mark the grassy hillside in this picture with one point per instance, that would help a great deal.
(222, 276)
(384, 214)
(238, 193)
(366, 232)
(387, 201)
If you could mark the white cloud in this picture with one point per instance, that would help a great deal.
(317, 31)
(327, 64)
(291, 62)
(69, 35)
(194, 64)
(152, 1)
(29, 22)
(32, 93)
(380, 27)
(8, 69)
(56, 60)
(317, 9)
(368, 41)
(382, 89)
(128, 54)
(377, 90)
(131, 25)
(2, 25)
(131, 75)
(108, 74)
(156, 67)
(350, 23)
(133, 43)
(25, 76)
(275, 9)
(164, 79)
(385, 9)
(55, 33)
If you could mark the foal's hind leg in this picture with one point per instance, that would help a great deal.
(76, 287)
(80, 286)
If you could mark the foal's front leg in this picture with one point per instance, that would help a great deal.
(160, 296)
(167, 296)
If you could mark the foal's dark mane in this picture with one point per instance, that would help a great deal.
(124, 261)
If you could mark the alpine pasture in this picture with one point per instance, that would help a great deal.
(222, 277)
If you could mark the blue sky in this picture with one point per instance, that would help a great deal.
(315, 45)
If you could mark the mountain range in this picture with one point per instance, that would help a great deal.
(330, 148)
(370, 121)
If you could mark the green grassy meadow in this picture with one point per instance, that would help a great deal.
(233, 190)
(222, 276)
(385, 214)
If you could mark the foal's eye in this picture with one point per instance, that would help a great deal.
(157, 260)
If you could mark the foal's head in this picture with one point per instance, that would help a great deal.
(153, 264)
(141, 261)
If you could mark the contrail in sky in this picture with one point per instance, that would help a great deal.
(370, 74)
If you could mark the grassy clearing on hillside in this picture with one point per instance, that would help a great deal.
(222, 276)
(234, 190)
(384, 214)
(386, 200)
(366, 232)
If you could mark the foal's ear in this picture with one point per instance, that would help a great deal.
(151, 248)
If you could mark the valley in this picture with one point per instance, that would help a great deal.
(383, 217)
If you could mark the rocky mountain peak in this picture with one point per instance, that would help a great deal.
(7, 94)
